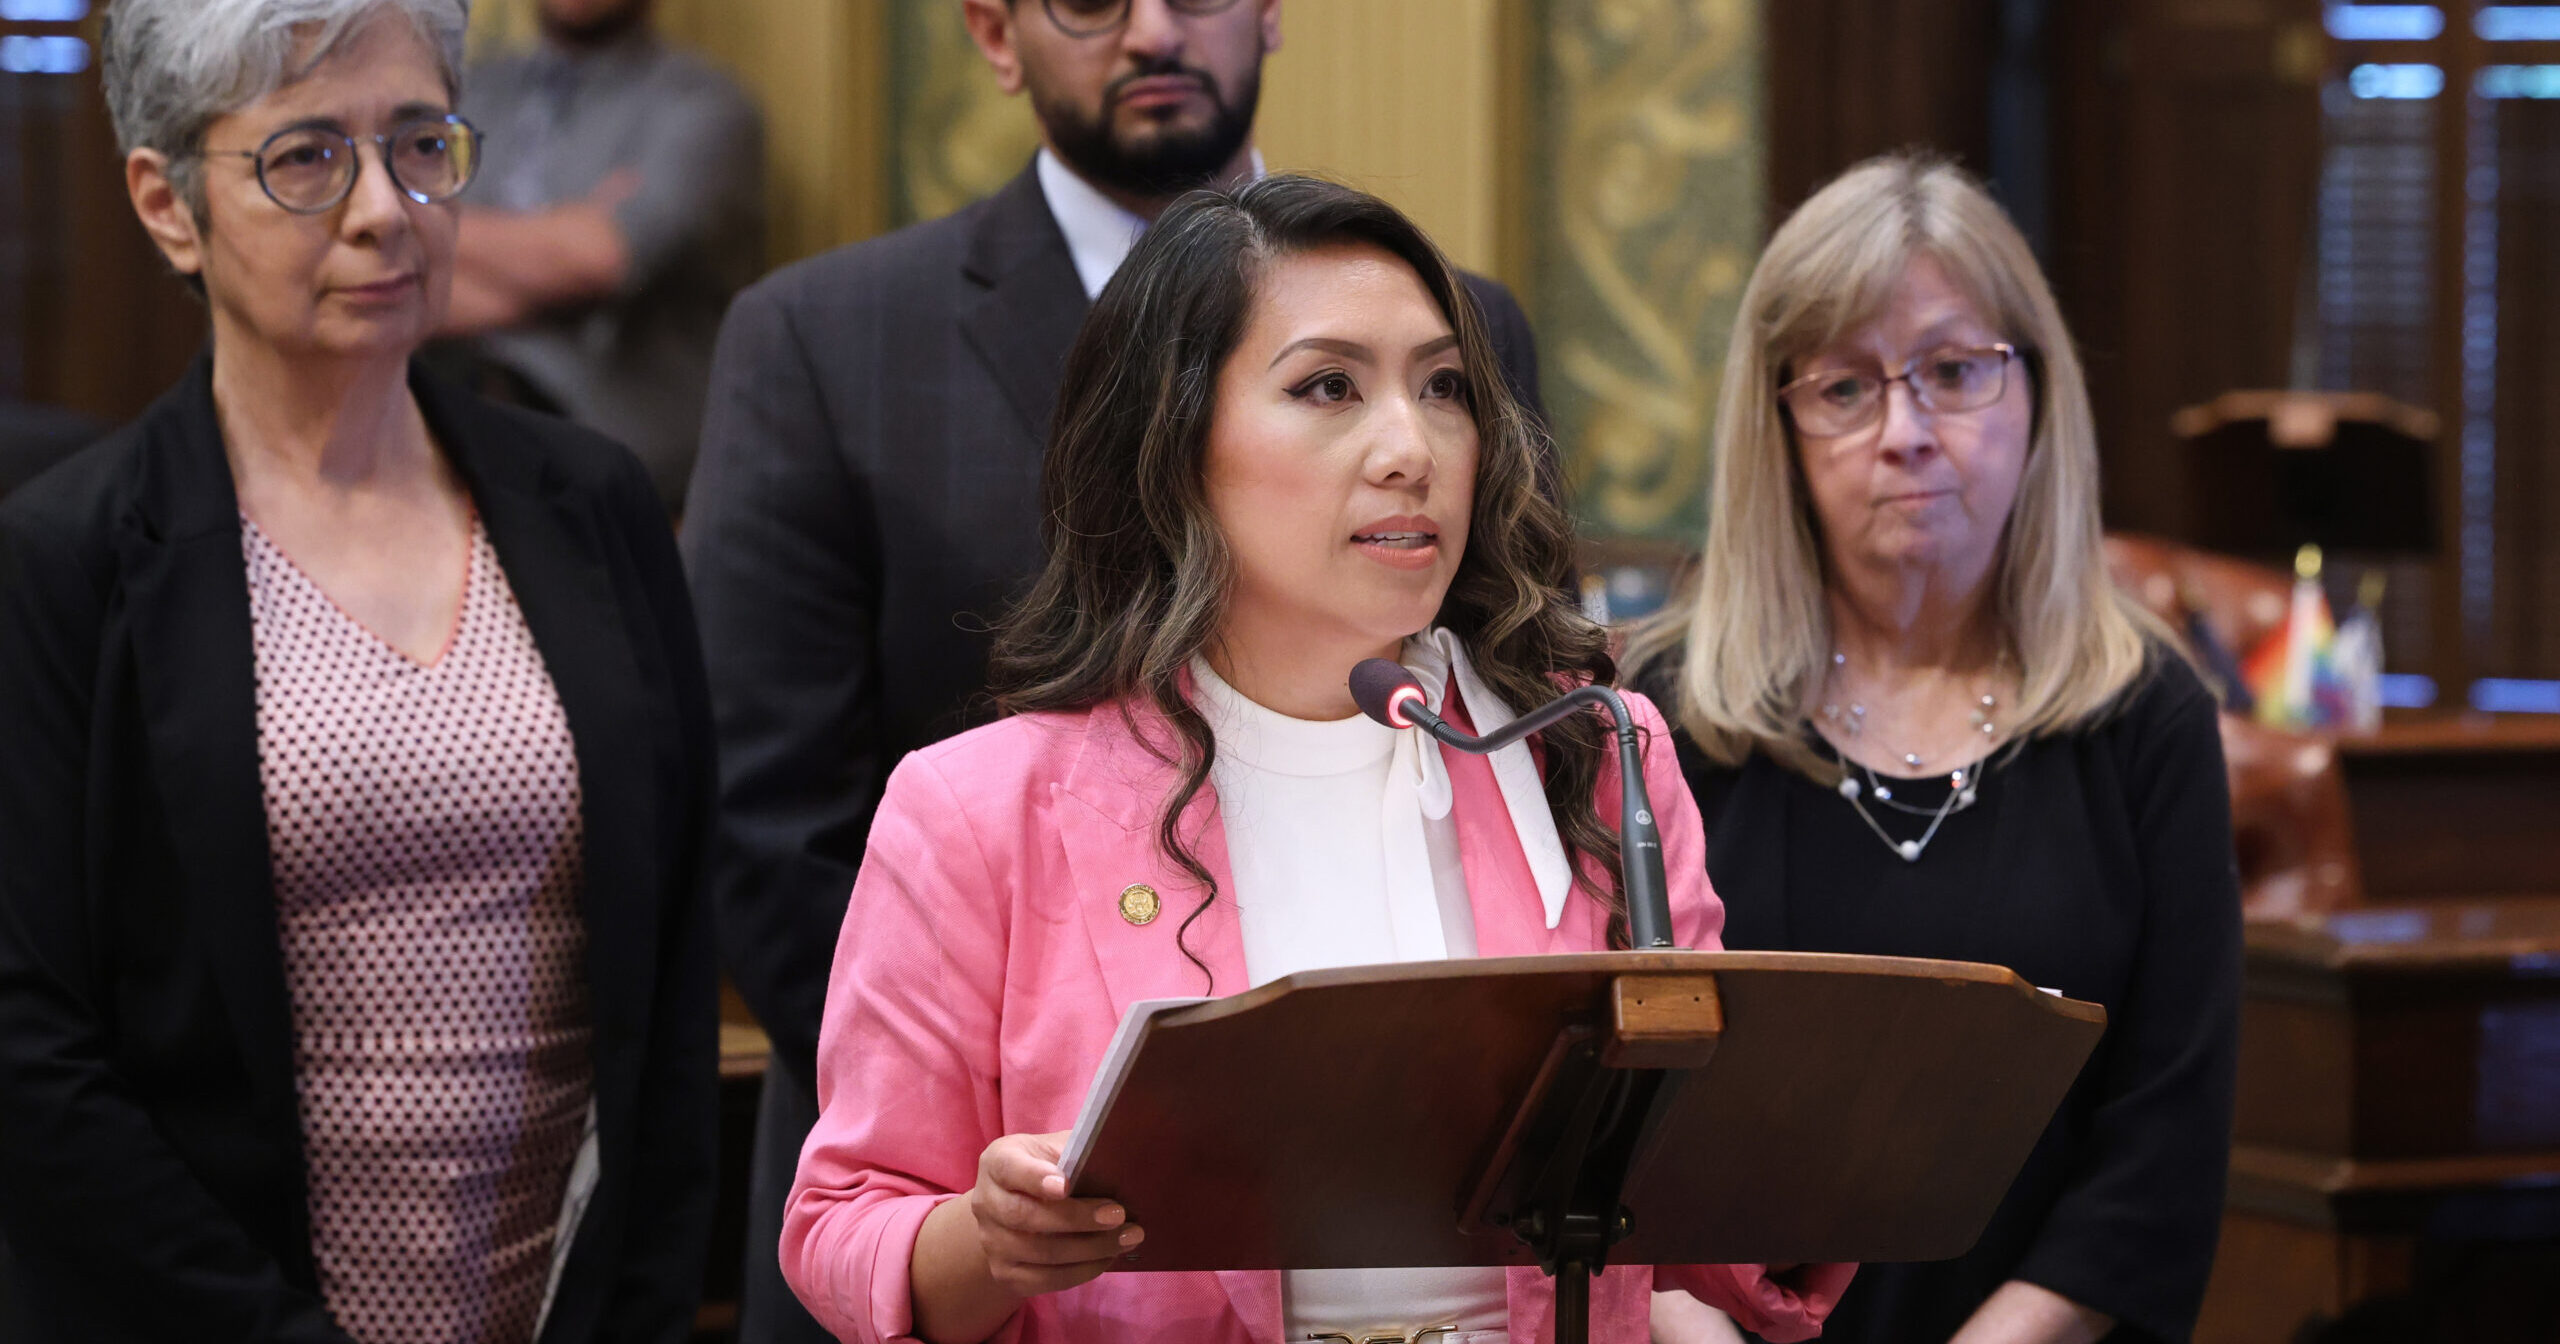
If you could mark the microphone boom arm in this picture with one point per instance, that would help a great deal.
(1639, 838)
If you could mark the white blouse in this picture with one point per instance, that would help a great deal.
(1315, 817)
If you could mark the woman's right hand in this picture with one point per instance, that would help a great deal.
(1014, 1236)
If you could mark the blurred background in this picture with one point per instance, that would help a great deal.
(2312, 255)
(2229, 194)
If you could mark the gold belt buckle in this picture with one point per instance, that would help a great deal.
(1421, 1336)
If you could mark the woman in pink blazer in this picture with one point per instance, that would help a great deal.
(1282, 446)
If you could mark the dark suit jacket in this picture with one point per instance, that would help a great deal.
(865, 502)
(33, 438)
(151, 1170)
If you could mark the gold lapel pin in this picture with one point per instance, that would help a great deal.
(1139, 903)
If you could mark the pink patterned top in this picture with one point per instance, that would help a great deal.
(424, 826)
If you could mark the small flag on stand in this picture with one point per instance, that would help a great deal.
(2355, 656)
(2291, 672)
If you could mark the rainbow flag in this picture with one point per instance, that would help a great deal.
(2292, 672)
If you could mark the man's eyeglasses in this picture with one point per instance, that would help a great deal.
(1093, 18)
(309, 169)
(1952, 379)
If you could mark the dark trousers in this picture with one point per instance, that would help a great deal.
(768, 1313)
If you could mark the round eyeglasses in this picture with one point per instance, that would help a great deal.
(1952, 379)
(309, 169)
(1093, 18)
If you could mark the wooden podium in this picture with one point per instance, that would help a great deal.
(2398, 1126)
(1644, 1107)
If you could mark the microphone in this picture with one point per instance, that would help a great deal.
(1389, 693)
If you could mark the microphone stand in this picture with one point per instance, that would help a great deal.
(1599, 1118)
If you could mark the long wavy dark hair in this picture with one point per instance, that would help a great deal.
(1138, 570)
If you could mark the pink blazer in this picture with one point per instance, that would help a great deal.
(984, 964)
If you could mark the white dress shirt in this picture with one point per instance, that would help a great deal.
(1099, 232)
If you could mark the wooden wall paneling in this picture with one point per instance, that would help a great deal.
(1849, 79)
(26, 233)
(2458, 642)
(108, 326)
(2186, 165)
(31, 243)
(2406, 1042)
(2273, 1275)
(2086, 244)
(2525, 616)
(2468, 815)
(2297, 1071)
(2395, 1139)
(2484, 284)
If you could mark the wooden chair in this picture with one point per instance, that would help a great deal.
(2289, 816)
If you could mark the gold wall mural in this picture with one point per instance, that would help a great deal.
(958, 136)
(1648, 199)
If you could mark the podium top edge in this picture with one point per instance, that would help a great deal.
(1666, 961)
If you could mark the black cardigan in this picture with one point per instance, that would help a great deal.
(152, 1182)
(2098, 863)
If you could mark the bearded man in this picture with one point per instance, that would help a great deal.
(866, 500)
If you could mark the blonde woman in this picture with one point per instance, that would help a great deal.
(1920, 722)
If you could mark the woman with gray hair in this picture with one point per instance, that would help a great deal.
(1919, 721)
(355, 978)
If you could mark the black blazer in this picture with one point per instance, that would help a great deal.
(865, 502)
(151, 1170)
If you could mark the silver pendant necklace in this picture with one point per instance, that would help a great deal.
(1851, 716)
(1963, 783)
(1962, 792)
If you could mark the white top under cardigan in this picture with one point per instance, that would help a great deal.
(1343, 853)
